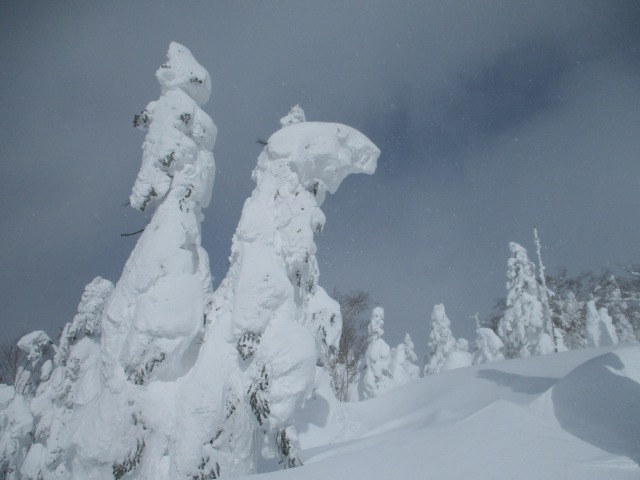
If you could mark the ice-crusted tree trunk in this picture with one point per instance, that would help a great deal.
(547, 342)
(441, 341)
(269, 319)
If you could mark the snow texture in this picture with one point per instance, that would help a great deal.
(545, 417)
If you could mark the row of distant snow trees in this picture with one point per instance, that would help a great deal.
(541, 314)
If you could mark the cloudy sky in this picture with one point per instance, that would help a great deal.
(492, 117)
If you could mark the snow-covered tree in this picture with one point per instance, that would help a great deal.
(12, 361)
(156, 310)
(521, 329)
(345, 363)
(441, 341)
(617, 308)
(159, 377)
(547, 342)
(376, 378)
(404, 363)
(489, 346)
(16, 431)
(97, 413)
(572, 322)
(39, 352)
(269, 320)
(599, 329)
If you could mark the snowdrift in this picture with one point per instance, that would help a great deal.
(566, 416)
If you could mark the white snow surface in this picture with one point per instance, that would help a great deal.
(569, 416)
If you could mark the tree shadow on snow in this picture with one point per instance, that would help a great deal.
(518, 383)
(599, 404)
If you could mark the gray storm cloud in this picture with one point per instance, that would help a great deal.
(491, 117)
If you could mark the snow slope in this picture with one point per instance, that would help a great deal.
(568, 416)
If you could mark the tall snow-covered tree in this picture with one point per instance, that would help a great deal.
(269, 320)
(98, 415)
(441, 341)
(547, 341)
(521, 329)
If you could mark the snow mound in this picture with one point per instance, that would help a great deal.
(474, 422)
(457, 359)
(597, 402)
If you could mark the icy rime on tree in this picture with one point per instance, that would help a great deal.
(522, 328)
(376, 378)
(156, 310)
(158, 377)
(98, 414)
(270, 318)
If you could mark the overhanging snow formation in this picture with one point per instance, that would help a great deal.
(270, 319)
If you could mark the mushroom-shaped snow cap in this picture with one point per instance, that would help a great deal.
(323, 154)
(183, 71)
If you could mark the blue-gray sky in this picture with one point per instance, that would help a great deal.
(492, 116)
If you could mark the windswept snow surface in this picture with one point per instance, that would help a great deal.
(564, 416)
